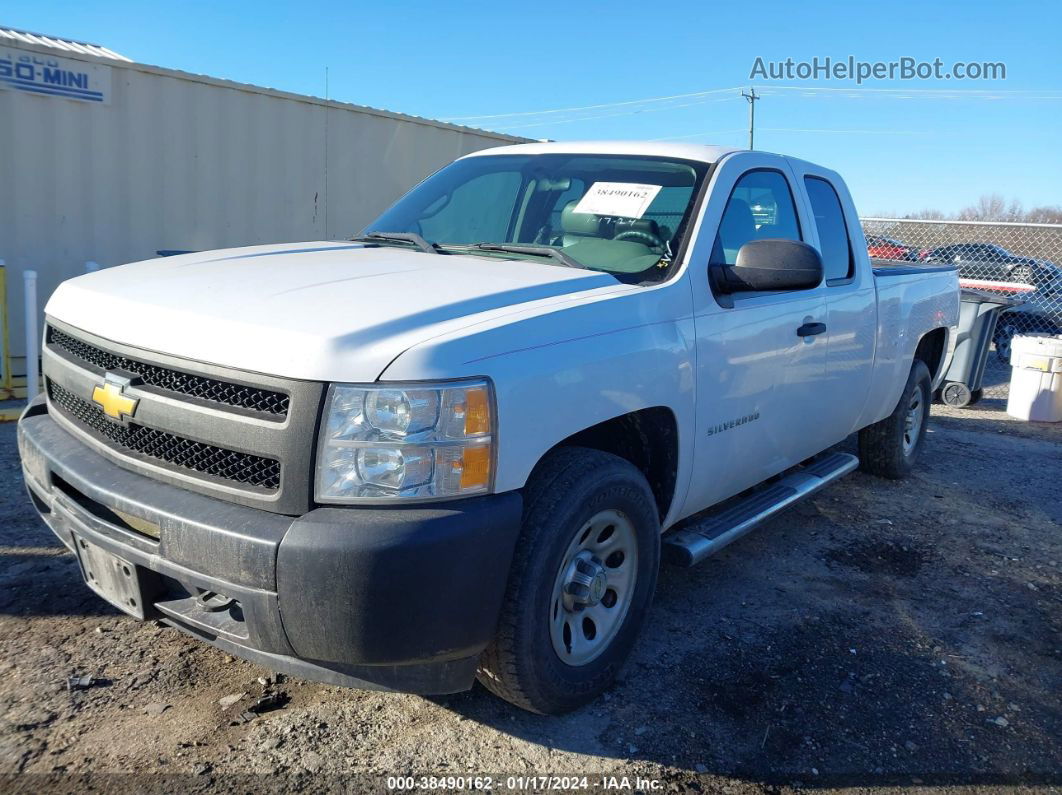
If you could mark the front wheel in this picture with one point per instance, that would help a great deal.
(890, 448)
(582, 580)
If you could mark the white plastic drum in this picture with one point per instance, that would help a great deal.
(1036, 378)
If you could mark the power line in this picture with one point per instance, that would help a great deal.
(852, 132)
(594, 107)
(608, 110)
(849, 92)
(698, 134)
(596, 116)
(706, 133)
(977, 93)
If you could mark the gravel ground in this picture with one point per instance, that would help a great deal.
(880, 634)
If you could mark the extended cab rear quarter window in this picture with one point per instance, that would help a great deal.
(836, 250)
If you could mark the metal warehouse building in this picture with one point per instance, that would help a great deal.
(106, 160)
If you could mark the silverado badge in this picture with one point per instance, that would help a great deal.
(111, 397)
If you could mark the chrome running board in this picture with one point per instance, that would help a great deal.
(706, 535)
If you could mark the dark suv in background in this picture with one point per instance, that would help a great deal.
(992, 261)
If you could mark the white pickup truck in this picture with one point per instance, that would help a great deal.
(458, 446)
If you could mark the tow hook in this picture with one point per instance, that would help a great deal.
(212, 602)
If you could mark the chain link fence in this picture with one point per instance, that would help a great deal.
(1023, 261)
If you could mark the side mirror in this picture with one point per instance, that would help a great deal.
(771, 265)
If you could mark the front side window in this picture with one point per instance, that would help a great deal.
(621, 214)
(833, 233)
(760, 207)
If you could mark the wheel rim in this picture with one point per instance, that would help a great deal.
(593, 589)
(912, 426)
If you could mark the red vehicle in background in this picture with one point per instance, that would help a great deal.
(879, 247)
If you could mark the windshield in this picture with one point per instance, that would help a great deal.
(620, 214)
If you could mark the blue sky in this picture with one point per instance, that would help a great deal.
(934, 143)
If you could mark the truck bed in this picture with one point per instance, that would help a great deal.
(897, 267)
(907, 308)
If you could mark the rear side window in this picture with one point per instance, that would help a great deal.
(833, 233)
(760, 207)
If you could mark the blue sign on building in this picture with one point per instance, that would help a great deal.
(52, 76)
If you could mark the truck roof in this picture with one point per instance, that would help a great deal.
(706, 154)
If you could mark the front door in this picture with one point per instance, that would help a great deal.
(759, 401)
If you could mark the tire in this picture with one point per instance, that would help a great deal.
(887, 448)
(568, 489)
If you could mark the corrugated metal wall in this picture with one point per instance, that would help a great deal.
(180, 161)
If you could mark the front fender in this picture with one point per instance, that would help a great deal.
(561, 370)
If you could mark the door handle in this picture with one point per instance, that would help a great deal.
(811, 329)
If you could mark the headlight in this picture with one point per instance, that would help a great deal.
(394, 441)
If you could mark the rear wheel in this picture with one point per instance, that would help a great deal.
(890, 448)
(581, 583)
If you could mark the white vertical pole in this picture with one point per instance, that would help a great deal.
(32, 367)
(91, 267)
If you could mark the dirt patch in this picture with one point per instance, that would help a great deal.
(894, 558)
(845, 687)
(884, 633)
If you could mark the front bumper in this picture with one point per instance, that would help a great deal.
(382, 598)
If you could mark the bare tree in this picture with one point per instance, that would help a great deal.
(1044, 215)
(992, 207)
(926, 215)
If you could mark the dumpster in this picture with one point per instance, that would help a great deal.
(978, 313)
(1036, 378)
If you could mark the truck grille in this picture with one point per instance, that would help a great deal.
(196, 386)
(166, 447)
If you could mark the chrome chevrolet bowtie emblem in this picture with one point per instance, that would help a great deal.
(111, 397)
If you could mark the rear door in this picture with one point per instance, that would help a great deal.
(851, 300)
(759, 384)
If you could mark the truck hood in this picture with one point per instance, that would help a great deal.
(318, 311)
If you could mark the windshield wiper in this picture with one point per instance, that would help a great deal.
(538, 251)
(398, 237)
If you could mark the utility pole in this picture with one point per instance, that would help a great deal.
(751, 97)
